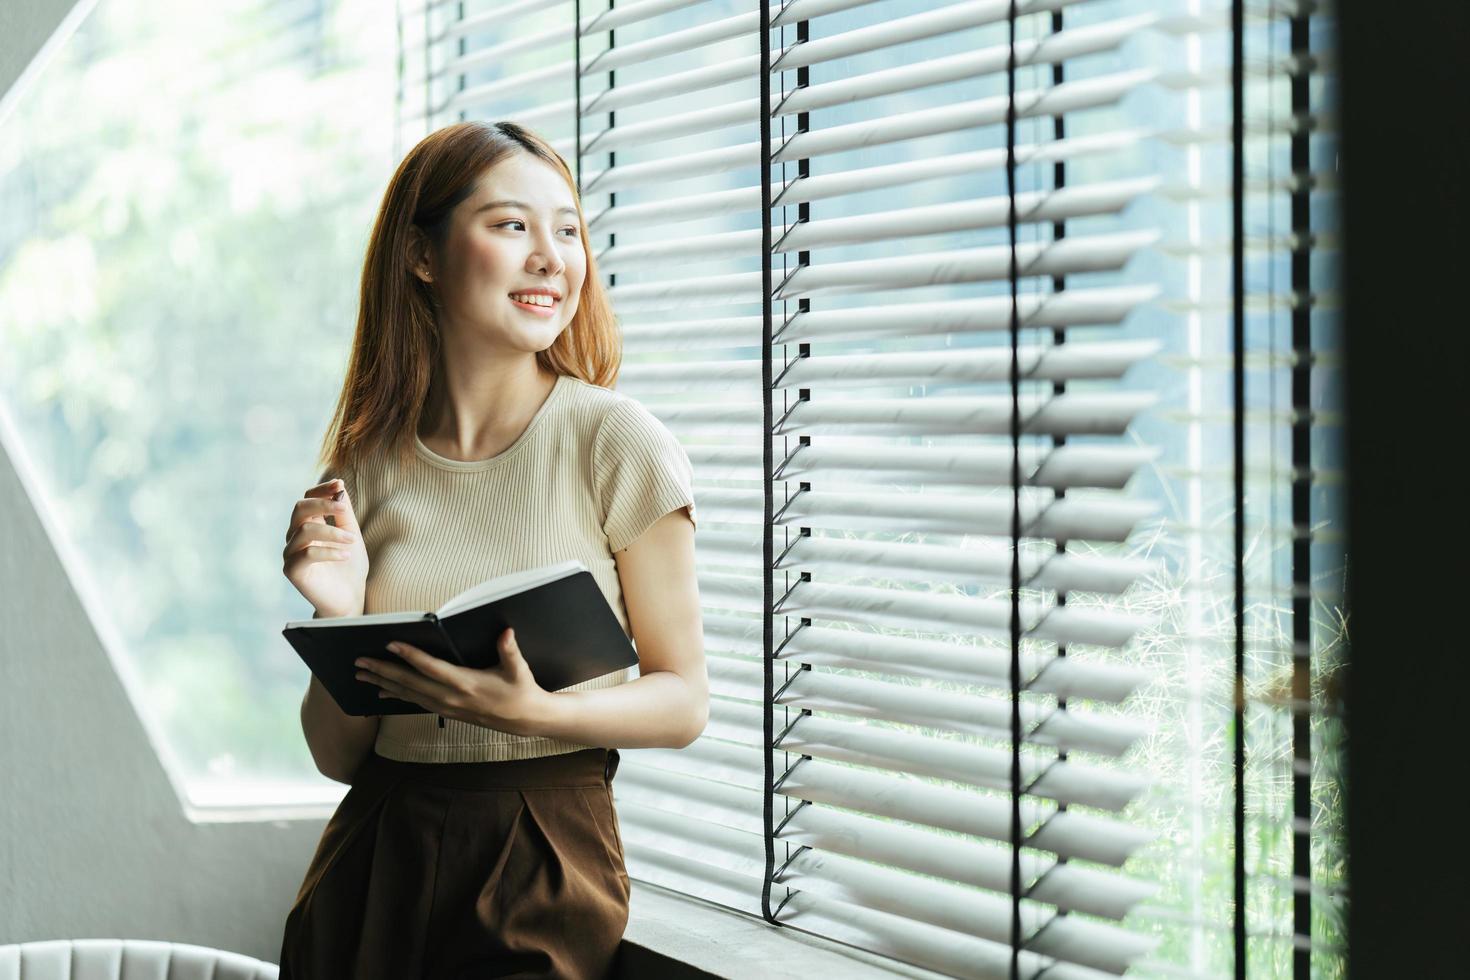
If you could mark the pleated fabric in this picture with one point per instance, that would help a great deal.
(465, 870)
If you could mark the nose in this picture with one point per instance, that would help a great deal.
(543, 259)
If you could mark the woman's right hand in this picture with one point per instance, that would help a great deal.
(328, 565)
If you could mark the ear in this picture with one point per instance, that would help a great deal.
(419, 254)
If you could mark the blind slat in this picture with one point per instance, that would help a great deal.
(1070, 256)
(967, 911)
(1042, 514)
(1061, 467)
(1093, 412)
(890, 81)
(985, 866)
(907, 704)
(1075, 307)
(897, 751)
(678, 785)
(883, 226)
(1052, 362)
(940, 660)
(672, 209)
(1068, 97)
(929, 612)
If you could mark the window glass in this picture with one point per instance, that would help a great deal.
(186, 192)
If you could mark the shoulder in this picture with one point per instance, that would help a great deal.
(611, 416)
(640, 470)
(588, 400)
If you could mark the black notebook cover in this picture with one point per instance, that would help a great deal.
(565, 629)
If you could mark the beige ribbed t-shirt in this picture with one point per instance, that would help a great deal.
(590, 473)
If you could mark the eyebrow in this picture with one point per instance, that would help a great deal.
(519, 204)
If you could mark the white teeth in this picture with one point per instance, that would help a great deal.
(536, 299)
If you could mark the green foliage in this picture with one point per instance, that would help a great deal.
(187, 194)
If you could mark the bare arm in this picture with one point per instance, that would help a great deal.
(668, 704)
(339, 742)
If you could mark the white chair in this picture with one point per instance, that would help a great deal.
(127, 959)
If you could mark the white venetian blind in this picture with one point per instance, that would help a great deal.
(855, 779)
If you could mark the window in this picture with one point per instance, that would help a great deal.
(844, 388)
(182, 198)
(185, 195)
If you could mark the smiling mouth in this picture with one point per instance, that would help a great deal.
(540, 309)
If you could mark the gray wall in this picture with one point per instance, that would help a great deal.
(25, 26)
(94, 840)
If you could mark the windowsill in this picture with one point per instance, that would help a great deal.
(237, 800)
(727, 943)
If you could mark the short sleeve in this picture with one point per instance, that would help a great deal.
(641, 473)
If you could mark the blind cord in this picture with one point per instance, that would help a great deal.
(1237, 258)
(1015, 385)
(767, 543)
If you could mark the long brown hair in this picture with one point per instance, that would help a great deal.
(395, 351)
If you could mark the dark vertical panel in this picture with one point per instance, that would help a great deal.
(1014, 277)
(767, 544)
(1301, 503)
(1237, 347)
(1404, 151)
(803, 212)
(1059, 336)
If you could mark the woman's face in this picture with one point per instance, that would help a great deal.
(517, 233)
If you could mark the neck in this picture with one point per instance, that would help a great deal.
(475, 412)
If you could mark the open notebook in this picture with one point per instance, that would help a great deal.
(566, 631)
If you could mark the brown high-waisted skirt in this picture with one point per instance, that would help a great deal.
(465, 870)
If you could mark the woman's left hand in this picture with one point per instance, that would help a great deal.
(505, 697)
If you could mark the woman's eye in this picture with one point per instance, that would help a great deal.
(517, 221)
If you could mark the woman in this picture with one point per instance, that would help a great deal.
(475, 436)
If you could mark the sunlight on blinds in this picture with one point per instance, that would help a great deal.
(882, 700)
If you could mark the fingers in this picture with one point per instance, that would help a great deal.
(320, 542)
(431, 667)
(342, 515)
(336, 490)
(312, 554)
(419, 682)
(315, 510)
(387, 689)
